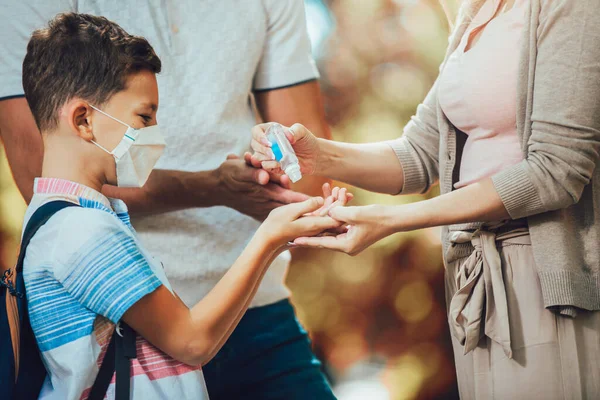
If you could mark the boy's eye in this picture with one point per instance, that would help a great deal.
(146, 118)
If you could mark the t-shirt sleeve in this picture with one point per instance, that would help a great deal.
(286, 58)
(18, 20)
(100, 264)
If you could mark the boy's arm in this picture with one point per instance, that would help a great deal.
(194, 335)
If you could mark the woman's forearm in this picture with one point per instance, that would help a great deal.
(478, 202)
(371, 166)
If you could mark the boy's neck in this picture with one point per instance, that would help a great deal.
(63, 162)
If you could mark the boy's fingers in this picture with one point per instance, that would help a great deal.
(335, 192)
(326, 190)
(342, 196)
(299, 209)
(326, 209)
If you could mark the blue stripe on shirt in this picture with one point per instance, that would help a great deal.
(56, 317)
(109, 274)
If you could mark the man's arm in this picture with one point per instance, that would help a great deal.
(300, 103)
(22, 142)
(234, 184)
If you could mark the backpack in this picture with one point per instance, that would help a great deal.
(22, 372)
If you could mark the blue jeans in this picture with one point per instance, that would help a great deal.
(267, 357)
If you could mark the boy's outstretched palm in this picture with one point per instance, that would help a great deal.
(308, 218)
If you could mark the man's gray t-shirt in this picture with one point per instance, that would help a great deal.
(214, 53)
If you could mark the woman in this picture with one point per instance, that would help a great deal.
(511, 129)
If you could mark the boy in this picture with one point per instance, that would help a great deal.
(92, 90)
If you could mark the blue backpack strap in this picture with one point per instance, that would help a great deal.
(26, 382)
(32, 372)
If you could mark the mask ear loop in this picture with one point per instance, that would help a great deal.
(114, 119)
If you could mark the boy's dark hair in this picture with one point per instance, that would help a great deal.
(80, 55)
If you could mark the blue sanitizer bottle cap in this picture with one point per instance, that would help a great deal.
(293, 172)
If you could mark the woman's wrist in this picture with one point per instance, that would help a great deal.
(327, 157)
(409, 217)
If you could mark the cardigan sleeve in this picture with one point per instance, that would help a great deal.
(418, 148)
(564, 146)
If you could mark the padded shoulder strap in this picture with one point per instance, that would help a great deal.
(16, 300)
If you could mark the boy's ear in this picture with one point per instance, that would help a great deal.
(79, 114)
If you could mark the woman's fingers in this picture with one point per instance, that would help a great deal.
(262, 151)
(345, 214)
(259, 133)
(296, 132)
(309, 226)
(338, 242)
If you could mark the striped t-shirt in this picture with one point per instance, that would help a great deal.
(83, 269)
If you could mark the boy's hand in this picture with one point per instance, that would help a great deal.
(333, 198)
(289, 222)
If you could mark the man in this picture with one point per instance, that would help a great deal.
(198, 210)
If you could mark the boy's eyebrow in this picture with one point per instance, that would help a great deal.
(152, 106)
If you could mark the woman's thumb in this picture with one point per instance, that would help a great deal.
(342, 214)
(295, 132)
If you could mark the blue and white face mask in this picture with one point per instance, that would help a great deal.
(136, 154)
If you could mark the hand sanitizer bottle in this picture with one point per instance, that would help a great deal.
(284, 153)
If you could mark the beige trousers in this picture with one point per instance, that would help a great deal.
(506, 344)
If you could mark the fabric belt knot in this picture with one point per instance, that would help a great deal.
(481, 294)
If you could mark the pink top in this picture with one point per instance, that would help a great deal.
(478, 92)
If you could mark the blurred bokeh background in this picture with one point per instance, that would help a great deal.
(377, 320)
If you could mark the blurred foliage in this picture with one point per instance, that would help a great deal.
(377, 320)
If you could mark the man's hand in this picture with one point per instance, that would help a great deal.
(253, 191)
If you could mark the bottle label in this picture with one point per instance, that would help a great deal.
(276, 151)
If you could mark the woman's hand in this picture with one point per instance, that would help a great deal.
(363, 225)
(304, 143)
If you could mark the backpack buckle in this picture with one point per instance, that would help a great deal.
(8, 283)
(118, 329)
